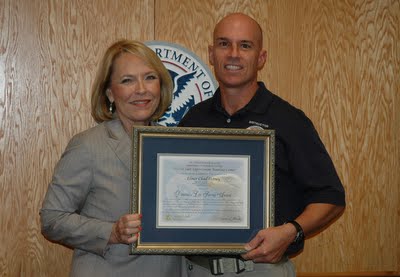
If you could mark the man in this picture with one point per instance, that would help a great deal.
(309, 194)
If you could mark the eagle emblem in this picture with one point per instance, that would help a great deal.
(192, 79)
(181, 102)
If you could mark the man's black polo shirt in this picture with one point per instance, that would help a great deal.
(304, 172)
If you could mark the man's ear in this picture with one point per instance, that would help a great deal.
(211, 55)
(262, 58)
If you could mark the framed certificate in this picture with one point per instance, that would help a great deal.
(201, 190)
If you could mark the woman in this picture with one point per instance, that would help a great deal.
(87, 203)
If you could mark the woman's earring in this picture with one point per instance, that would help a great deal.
(111, 108)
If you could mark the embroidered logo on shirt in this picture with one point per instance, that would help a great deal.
(192, 79)
(257, 125)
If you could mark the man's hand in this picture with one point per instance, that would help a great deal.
(124, 228)
(269, 245)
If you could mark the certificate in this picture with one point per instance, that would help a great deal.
(201, 190)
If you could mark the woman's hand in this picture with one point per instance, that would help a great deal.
(126, 229)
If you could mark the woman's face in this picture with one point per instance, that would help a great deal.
(135, 90)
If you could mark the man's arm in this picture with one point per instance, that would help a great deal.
(269, 245)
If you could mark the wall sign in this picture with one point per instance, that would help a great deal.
(193, 81)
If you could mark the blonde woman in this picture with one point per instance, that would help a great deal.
(87, 203)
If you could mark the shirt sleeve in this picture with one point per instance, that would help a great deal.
(313, 167)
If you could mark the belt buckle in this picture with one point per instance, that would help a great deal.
(216, 266)
(237, 265)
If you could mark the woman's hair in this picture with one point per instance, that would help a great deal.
(100, 103)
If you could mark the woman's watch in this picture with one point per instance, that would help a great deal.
(300, 233)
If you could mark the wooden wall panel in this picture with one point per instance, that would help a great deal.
(49, 51)
(353, 106)
(337, 60)
(171, 16)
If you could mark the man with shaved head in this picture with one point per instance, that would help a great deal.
(308, 192)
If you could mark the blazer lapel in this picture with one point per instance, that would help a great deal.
(119, 141)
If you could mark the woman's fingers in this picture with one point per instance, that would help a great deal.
(126, 229)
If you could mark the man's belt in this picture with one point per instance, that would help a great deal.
(220, 265)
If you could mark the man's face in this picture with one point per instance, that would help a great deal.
(237, 53)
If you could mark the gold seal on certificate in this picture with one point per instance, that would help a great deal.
(201, 190)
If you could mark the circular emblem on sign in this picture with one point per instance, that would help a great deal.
(192, 79)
